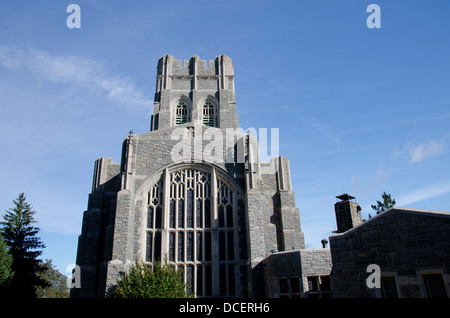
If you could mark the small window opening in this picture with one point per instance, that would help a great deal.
(208, 115)
(182, 114)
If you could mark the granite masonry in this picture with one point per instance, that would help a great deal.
(193, 192)
(400, 253)
(206, 204)
(411, 248)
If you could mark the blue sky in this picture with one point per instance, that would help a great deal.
(359, 110)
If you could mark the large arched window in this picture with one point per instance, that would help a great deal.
(194, 226)
(209, 116)
(182, 113)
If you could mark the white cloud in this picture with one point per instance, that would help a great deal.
(422, 151)
(11, 57)
(426, 150)
(77, 71)
(424, 193)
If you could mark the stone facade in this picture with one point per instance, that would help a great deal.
(287, 273)
(406, 244)
(193, 191)
(401, 253)
(206, 203)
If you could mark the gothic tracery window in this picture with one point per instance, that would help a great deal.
(195, 229)
(181, 113)
(154, 222)
(209, 114)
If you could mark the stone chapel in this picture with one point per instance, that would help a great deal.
(214, 213)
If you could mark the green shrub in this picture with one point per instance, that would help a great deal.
(143, 281)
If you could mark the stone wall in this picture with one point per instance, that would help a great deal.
(195, 81)
(96, 238)
(113, 233)
(295, 264)
(405, 243)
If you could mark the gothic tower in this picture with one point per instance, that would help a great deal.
(192, 191)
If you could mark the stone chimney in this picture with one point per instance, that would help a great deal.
(348, 213)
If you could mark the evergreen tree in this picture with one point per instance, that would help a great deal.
(6, 272)
(387, 203)
(144, 282)
(57, 281)
(24, 246)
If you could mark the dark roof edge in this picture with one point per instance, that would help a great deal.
(392, 211)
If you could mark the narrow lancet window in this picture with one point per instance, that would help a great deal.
(182, 113)
(209, 118)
